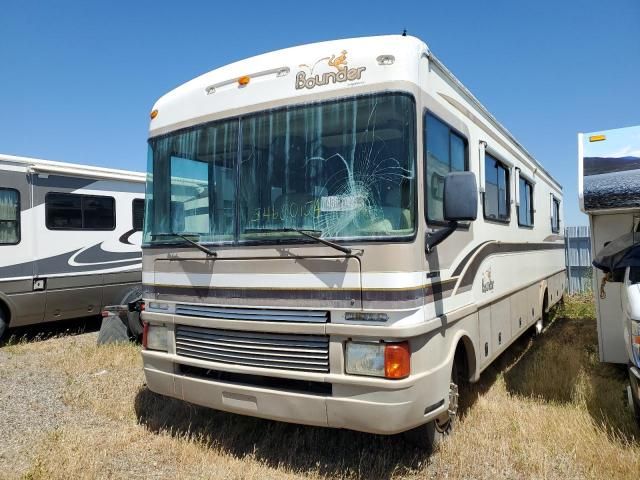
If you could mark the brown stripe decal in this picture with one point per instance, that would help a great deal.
(496, 248)
(465, 260)
(411, 297)
(414, 295)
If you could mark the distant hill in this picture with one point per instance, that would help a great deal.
(597, 165)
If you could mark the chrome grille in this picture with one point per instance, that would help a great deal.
(255, 314)
(309, 353)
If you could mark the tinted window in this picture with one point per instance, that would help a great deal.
(555, 215)
(9, 216)
(496, 196)
(525, 209)
(66, 211)
(445, 152)
(137, 214)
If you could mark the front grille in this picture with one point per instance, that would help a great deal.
(272, 383)
(255, 314)
(309, 353)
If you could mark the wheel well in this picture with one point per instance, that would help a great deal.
(465, 357)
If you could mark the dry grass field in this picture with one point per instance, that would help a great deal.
(546, 409)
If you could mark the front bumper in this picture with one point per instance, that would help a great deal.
(356, 403)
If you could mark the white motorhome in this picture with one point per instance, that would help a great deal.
(609, 189)
(69, 239)
(336, 274)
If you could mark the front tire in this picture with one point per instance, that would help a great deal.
(430, 436)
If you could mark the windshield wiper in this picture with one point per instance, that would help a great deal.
(198, 245)
(306, 233)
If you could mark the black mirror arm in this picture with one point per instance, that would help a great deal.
(433, 239)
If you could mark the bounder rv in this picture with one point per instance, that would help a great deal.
(609, 188)
(69, 239)
(339, 234)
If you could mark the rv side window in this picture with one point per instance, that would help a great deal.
(67, 211)
(555, 215)
(496, 196)
(137, 214)
(445, 151)
(9, 216)
(525, 209)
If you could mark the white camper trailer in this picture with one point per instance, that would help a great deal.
(69, 239)
(365, 236)
(609, 189)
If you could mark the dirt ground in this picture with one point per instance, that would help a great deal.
(546, 409)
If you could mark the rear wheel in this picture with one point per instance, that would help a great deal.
(430, 435)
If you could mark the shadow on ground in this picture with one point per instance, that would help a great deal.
(45, 331)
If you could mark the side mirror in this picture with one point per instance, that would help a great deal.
(460, 197)
(460, 204)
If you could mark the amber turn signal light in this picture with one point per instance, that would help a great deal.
(397, 360)
(244, 80)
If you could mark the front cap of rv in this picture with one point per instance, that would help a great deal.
(292, 76)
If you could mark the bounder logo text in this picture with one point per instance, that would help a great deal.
(308, 78)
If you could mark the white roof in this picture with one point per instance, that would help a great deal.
(273, 80)
(73, 169)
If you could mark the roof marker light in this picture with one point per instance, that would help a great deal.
(283, 72)
(597, 138)
(244, 80)
(386, 59)
(153, 114)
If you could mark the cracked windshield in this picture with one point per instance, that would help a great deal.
(343, 169)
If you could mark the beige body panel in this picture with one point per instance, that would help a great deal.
(484, 285)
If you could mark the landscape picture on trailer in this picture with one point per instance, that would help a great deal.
(611, 169)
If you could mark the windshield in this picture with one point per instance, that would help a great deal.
(345, 169)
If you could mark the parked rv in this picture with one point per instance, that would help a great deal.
(69, 239)
(340, 234)
(609, 189)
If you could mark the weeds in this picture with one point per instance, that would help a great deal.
(546, 408)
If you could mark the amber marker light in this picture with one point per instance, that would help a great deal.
(597, 138)
(397, 360)
(244, 80)
(153, 114)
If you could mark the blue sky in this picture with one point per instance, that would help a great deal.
(78, 78)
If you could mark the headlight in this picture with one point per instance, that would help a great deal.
(154, 337)
(389, 360)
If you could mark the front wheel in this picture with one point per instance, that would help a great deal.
(430, 435)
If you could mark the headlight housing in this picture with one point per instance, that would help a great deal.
(154, 337)
(378, 359)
